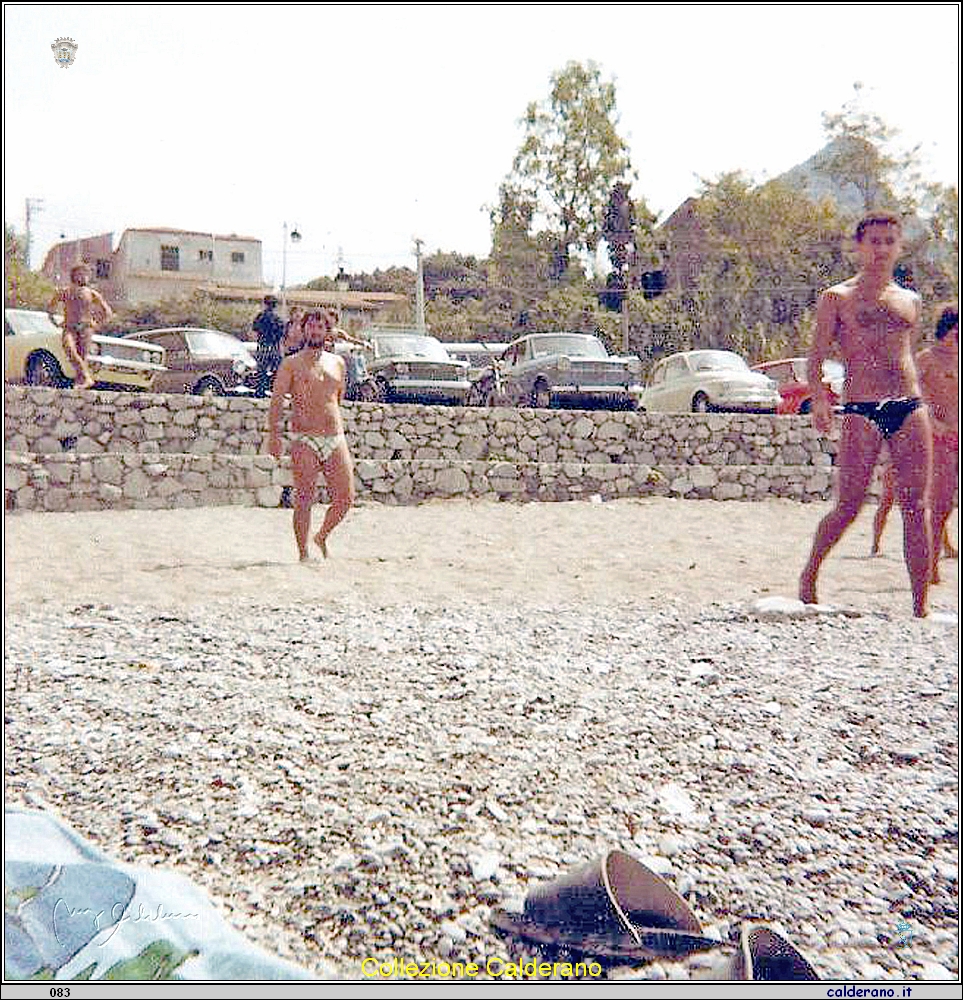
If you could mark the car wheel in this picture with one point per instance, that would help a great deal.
(43, 369)
(208, 386)
(541, 396)
(805, 406)
(700, 403)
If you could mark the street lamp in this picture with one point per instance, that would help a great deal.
(295, 237)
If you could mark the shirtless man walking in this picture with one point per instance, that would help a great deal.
(939, 380)
(84, 311)
(874, 322)
(314, 381)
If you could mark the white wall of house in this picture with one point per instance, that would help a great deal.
(152, 264)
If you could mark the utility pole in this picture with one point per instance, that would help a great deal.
(419, 290)
(33, 205)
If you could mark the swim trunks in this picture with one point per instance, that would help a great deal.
(323, 445)
(888, 414)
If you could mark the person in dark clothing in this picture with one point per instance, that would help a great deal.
(269, 329)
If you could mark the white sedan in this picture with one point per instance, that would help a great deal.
(702, 381)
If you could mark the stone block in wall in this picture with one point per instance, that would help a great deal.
(451, 481)
(110, 494)
(472, 449)
(728, 491)
(47, 446)
(136, 485)
(15, 478)
(25, 498)
(88, 446)
(202, 446)
(268, 496)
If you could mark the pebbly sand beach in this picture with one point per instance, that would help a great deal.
(362, 757)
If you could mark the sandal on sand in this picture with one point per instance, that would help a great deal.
(766, 955)
(614, 907)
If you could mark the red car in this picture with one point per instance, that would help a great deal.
(791, 378)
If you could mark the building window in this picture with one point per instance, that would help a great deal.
(237, 257)
(103, 268)
(170, 258)
(205, 255)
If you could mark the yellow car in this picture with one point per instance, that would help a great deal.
(34, 353)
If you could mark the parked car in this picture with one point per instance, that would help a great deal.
(359, 384)
(792, 380)
(34, 353)
(409, 365)
(555, 369)
(701, 381)
(202, 361)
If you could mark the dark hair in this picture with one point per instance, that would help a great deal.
(949, 318)
(316, 314)
(270, 301)
(877, 219)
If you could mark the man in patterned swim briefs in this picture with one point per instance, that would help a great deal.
(874, 322)
(313, 380)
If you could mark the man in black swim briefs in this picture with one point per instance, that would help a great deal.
(872, 323)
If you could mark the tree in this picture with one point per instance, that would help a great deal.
(25, 289)
(571, 156)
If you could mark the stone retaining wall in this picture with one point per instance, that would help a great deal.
(73, 450)
(52, 421)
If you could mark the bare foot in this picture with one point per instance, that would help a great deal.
(320, 542)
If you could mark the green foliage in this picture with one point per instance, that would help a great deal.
(571, 155)
(25, 289)
(198, 309)
(766, 253)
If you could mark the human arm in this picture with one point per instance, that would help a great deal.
(57, 300)
(340, 334)
(827, 316)
(279, 393)
(100, 304)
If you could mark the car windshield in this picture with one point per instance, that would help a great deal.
(410, 346)
(573, 346)
(708, 361)
(25, 321)
(213, 344)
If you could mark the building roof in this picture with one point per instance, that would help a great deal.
(188, 232)
(304, 296)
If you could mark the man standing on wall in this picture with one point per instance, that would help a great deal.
(874, 322)
(269, 329)
(84, 311)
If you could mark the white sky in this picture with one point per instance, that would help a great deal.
(367, 125)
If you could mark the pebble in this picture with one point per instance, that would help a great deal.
(375, 780)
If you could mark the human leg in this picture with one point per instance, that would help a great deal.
(305, 467)
(859, 445)
(76, 345)
(887, 496)
(912, 452)
(943, 490)
(339, 479)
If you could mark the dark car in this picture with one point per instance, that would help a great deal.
(409, 365)
(202, 361)
(564, 369)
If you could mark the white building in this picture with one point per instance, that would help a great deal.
(153, 264)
